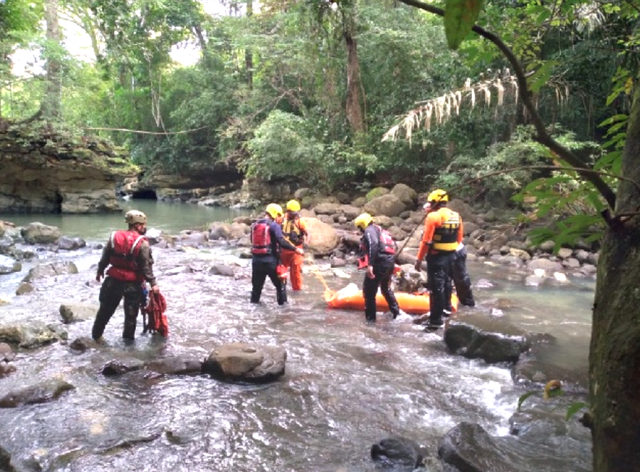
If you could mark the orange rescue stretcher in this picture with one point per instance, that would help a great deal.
(351, 298)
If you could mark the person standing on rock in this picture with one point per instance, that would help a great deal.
(267, 241)
(130, 262)
(295, 232)
(459, 274)
(442, 235)
(380, 249)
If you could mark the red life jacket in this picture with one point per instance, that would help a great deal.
(125, 249)
(387, 244)
(261, 238)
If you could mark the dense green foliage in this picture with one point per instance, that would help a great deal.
(271, 91)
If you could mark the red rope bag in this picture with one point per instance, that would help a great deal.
(156, 319)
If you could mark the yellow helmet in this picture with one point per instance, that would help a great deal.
(293, 205)
(438, 196)
(134, 216)
(274, 210)
(363, 221)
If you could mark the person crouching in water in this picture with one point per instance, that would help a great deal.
(267, 241)
(380, 249)
(442, 235)
(295, 232)
(131, 265)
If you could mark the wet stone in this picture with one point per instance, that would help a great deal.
(40, 393)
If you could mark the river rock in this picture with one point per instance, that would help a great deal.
(474, 343)
(469, 448)
(175, 365)
(565, 253)
(326, 208)
(350, 212)
(41, 393)
(39, 233)
(248, 362)
(119, 367)
(388, 205)
(323, 237)
(397, 453)
(406, 195)
(547, 265)
(5, 461)
(71, 244)
(219, 230)
(50, 270)
(6, 353)
(24, 287)
(6, 369)
(74, 312)
(30, 335)
(9, 265)
(222, 269)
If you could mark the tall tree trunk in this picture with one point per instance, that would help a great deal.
(353, 105)
(614, 360)
(248, 54)
(51, 101)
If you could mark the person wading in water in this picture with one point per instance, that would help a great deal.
(131, 265)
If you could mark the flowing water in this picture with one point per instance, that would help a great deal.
(347, 384)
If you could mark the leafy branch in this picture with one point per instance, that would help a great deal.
(543, 136)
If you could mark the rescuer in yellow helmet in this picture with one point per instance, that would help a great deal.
(294, 229)
(379, 250)
(267, 241)
(442, 235)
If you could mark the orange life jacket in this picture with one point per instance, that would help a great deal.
(125, 249)
(261, 238)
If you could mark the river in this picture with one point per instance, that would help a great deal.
(347, 384)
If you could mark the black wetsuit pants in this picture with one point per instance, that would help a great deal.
(261, 269)
(439, 268)
(111, 292)
(382, 272)
(461, 279)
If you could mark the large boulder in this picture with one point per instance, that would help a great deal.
(406, 195)
(388, 205)
(469, 448)
(38, 233)
(474, 343)
(246, 362)
(50, 270)
(323, 237)
(465, 211)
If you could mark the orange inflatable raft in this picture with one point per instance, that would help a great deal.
(351, 298)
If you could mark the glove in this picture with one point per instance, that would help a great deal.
(418, 265)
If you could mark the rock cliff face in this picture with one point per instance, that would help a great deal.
(47, 175)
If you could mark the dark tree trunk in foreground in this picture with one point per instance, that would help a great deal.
(614, 361)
